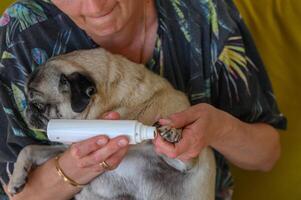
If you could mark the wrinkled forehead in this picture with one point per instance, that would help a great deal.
(43, 78)
(63, 66)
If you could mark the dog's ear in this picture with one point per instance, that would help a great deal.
(82, 88)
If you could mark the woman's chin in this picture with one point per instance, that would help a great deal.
(101, 31)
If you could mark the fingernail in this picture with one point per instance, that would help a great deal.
(109, 115)
(102, 141)
(165, 121)
(105, 115)
(122, 142)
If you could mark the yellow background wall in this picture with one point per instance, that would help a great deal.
(276, 28)
(4, 4)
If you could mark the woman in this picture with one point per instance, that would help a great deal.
(201, 47)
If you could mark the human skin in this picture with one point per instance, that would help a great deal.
(248, 146)
(126, 27)
(80, 161)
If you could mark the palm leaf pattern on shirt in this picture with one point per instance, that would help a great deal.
(8, 111)
(181, 17)
(18, 132)
(39, 55)
(4, 19)
(233, 58)
(7, 55)
(39, 135)
(20, 99)
(61, 43)
(213, 18)
(202, 95)
(209, 8)
(26, 13)
(21, 15)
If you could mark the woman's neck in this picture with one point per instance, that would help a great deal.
(136, 40)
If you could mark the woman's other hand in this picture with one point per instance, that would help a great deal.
(251, 146)
(82, 162)
(202, 124)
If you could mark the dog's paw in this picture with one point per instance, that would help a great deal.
(14, 189)
(18, 179)
(170, 134)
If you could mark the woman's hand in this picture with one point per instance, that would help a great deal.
(202, 124)
(249, 146)
(82, 162)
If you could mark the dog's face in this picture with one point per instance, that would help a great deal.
(53, 92)
(85, 84)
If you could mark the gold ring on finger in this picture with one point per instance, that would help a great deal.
(105, 165)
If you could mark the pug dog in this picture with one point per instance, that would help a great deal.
(88, 83)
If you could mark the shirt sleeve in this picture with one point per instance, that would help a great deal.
(242, 86)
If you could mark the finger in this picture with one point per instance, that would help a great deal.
(189, 147)
(181, 119)
(85, 147)
(111, 116)
(174, 150)
(182, 153)
(188, 156)
(113, 161)
(164, 147)
(184, 144)
(184, 157)
(104, 153)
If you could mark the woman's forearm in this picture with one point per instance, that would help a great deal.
(250, 146)
(45, 184)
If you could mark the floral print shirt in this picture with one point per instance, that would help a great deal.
(203, 48)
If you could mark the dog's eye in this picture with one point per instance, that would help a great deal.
(63, 80)
(90, 91)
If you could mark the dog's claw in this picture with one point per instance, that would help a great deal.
(170, 134)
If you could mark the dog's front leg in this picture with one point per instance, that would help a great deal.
(30, 157)
(174, 135)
